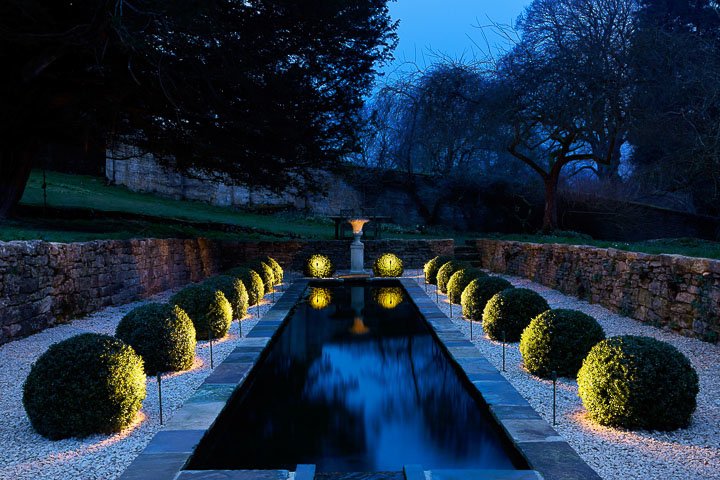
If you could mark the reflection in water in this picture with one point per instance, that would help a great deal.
(388, 297)
(319, 298)
(353, 403)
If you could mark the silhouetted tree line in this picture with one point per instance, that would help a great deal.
(261, 90)
(625, 93)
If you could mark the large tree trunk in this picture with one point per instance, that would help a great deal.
(551, 207)
(15, 167)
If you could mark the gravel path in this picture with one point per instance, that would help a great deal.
(692, 453)
(27, 455)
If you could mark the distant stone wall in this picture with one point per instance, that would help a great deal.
(141, 173)
(681, 293)
(43, 284)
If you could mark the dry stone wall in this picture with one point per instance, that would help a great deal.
(673, 291)
(43, 284)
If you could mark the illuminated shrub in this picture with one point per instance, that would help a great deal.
(84, 385)
(318, 266)
(461, 279)
(559, 340)
(447, 270)
(163, 335)
(234, 291)
(208, 309)
(388, 297)
(276, 268)
(511, 311)
(387, 265)
(251, 280)
(265, 272)
(319, 298)
(478, 292)
(638, 383)
(432, 267)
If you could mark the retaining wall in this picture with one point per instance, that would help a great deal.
(43, 283)
(681, 293)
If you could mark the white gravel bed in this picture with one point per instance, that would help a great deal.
(28, 455)
(692, 453)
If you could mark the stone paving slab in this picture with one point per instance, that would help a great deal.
(485, 475)
(233, 475)
(174, 441)
(228, 373)
(155, 466)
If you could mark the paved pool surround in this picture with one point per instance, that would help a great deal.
(544, 450)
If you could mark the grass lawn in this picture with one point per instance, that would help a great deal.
(156, 217)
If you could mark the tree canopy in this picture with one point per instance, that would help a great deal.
(260, 90)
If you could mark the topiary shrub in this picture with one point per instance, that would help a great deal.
(276, 268)
(163, 335)
(638, 383)
(387, 265)
(208, 309)
(84, 385)
(478, 292)
(432, 267)
(447, 270)
(511, 311)
(265, 272)
(559, 340)
(234, 291)
(461, 279)
(318, 266)
(253, 283)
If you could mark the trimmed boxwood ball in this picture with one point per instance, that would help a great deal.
(461, 279)
(163, 335)
(559, 340)
(447, 270)
(265, 272)
(208, 309)
(87, 384)
(234, 291)
(318, 266)
(432, 267)
(638, 383)
(387, 265)
(511, 311)
(478, 292)
(251, 280)
(276, 268)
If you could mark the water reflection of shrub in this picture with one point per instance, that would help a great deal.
(319, 298)
(388, 297)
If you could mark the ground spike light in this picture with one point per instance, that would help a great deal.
(503, 355)
(554, 380)
(159, 382)
(212, 365)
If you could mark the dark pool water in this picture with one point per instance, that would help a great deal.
(354, 383)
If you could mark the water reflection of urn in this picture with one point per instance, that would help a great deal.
(356, 247)
(357, 302)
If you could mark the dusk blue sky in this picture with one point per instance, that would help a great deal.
(447, 27)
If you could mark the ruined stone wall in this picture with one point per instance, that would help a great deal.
(673, 291)
(141, 173)
(43, 283)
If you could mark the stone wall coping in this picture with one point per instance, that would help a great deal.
(700, 264)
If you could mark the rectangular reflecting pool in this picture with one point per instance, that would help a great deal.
(355, 381)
